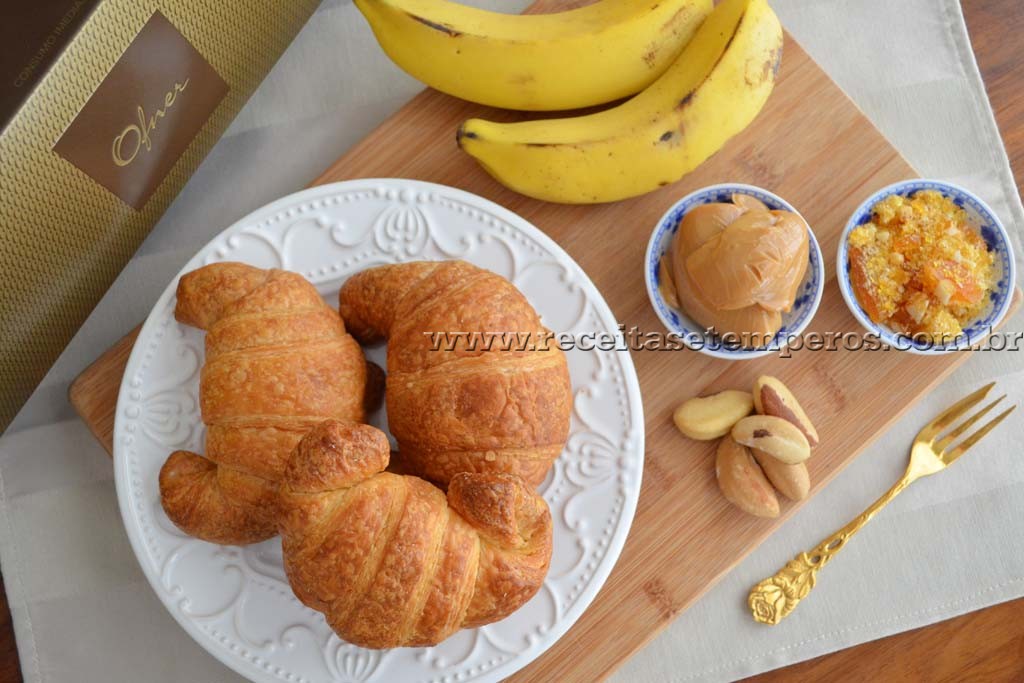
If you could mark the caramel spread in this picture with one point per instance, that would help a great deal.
(918, 266)
(736, 267)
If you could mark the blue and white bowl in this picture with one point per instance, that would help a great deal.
(693, 335)
(992, 231)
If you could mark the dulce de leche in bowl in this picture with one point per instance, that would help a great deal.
(736, 267)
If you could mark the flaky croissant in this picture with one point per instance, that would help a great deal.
(463, 409)
(278, 361)
(391, 561)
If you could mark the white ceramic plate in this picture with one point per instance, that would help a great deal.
(235, 601)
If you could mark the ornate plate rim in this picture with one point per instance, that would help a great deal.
(632, 388)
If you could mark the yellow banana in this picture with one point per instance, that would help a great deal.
(713, 91)
(578, 58)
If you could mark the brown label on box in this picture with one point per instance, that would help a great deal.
(144, 114)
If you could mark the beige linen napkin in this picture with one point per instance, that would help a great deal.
(84, 612)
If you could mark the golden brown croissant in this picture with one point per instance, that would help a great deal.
(388, 559)
(462, 409)
(278, 361)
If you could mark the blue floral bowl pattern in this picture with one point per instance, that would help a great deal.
(695, 336)
(992, 231)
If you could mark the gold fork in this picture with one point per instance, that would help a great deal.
(774, 598)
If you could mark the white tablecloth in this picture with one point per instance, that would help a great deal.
(84, 612)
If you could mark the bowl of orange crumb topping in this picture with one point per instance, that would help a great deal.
(926, 266)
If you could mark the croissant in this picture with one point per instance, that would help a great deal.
(391, 561)
(278, 361)
(453, 404)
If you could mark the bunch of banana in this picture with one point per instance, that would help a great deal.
(712, 91)
(578, 58)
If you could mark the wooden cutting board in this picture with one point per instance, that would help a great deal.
(812, 146)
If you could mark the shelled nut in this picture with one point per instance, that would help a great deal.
(775, 436)
(742, 482)
(772, 397)
(709, 417)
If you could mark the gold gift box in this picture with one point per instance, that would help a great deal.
(106, 108)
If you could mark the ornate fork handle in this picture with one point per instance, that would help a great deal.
(775, 597)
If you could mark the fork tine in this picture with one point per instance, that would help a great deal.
(950, 456)
(967, 424)
(946, 417)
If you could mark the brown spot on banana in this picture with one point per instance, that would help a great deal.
(522, 79)
(681, 16)
(685, 101)
(463, 133)
(442, 28)
(671, 25)
(670, 138)
(776, 61)
(650, 56)
(755, 73)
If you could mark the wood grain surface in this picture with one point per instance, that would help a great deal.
(94, 393)
(987, 645)
(824, 159)
(641, 596)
